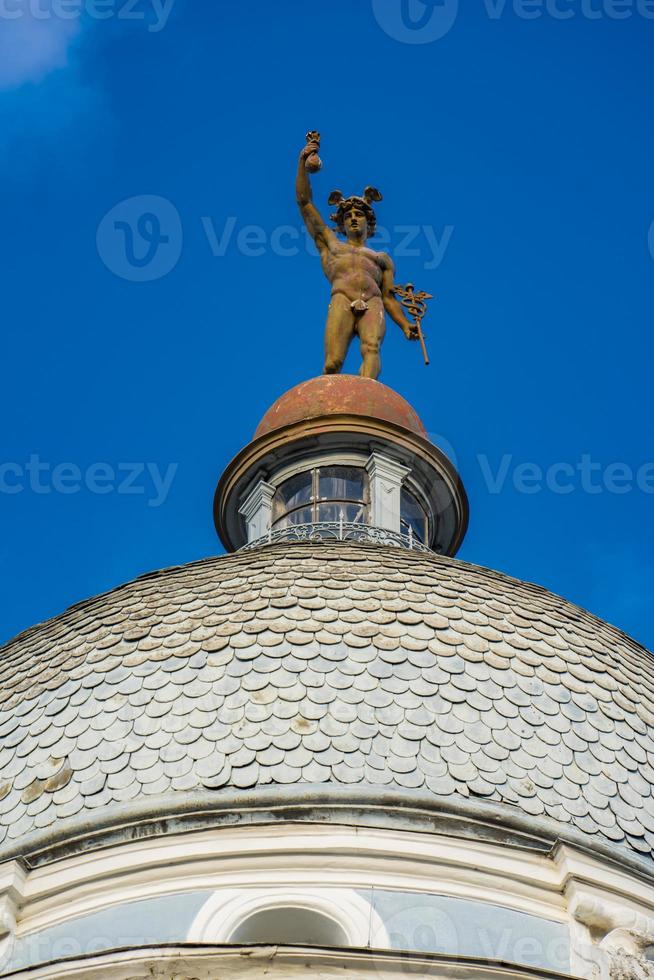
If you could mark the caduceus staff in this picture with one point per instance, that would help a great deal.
(416, 305)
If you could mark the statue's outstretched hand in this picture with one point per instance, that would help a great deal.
(411, 332)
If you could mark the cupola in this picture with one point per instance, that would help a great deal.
(345, 458)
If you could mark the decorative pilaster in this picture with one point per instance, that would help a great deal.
(386, 479)
(257, 510)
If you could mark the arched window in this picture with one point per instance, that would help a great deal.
(289, 926)
(291, 916)
(325, 493)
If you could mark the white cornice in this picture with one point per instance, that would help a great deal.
(307, 855)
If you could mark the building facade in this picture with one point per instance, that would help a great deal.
(336, 751)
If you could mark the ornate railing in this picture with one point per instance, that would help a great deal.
(339, 531)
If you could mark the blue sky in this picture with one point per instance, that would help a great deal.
(516, 151)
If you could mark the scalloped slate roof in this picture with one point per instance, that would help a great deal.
(315, 663)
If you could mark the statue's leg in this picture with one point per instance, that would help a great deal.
(338, 333)
(371, 328)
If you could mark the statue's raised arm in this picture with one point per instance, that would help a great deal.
(309, 162)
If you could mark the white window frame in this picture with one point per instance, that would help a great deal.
(228, 908)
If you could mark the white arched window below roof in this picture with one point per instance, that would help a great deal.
(311, 917)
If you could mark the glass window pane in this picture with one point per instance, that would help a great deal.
(413, 516)
(349, 513)
(356, 513)
(302, 516)
(330, 512)
(292, 493)
(341, 483)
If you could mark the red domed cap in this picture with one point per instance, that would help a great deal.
(340, 394)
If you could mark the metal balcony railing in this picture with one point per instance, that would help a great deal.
(339, 531)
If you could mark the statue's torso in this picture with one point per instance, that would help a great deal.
(355, 272)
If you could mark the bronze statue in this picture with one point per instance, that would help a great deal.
(362, 280)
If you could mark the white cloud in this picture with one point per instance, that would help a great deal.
(32, 46)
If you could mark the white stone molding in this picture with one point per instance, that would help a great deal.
(292, 856)
(386, 479)
(257, 510)
(621, 927)
(228, 908)
(586, 960)
(605, 898)
(12, 888)
(274, 963)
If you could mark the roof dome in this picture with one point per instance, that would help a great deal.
(340, 394)
(338, 668)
